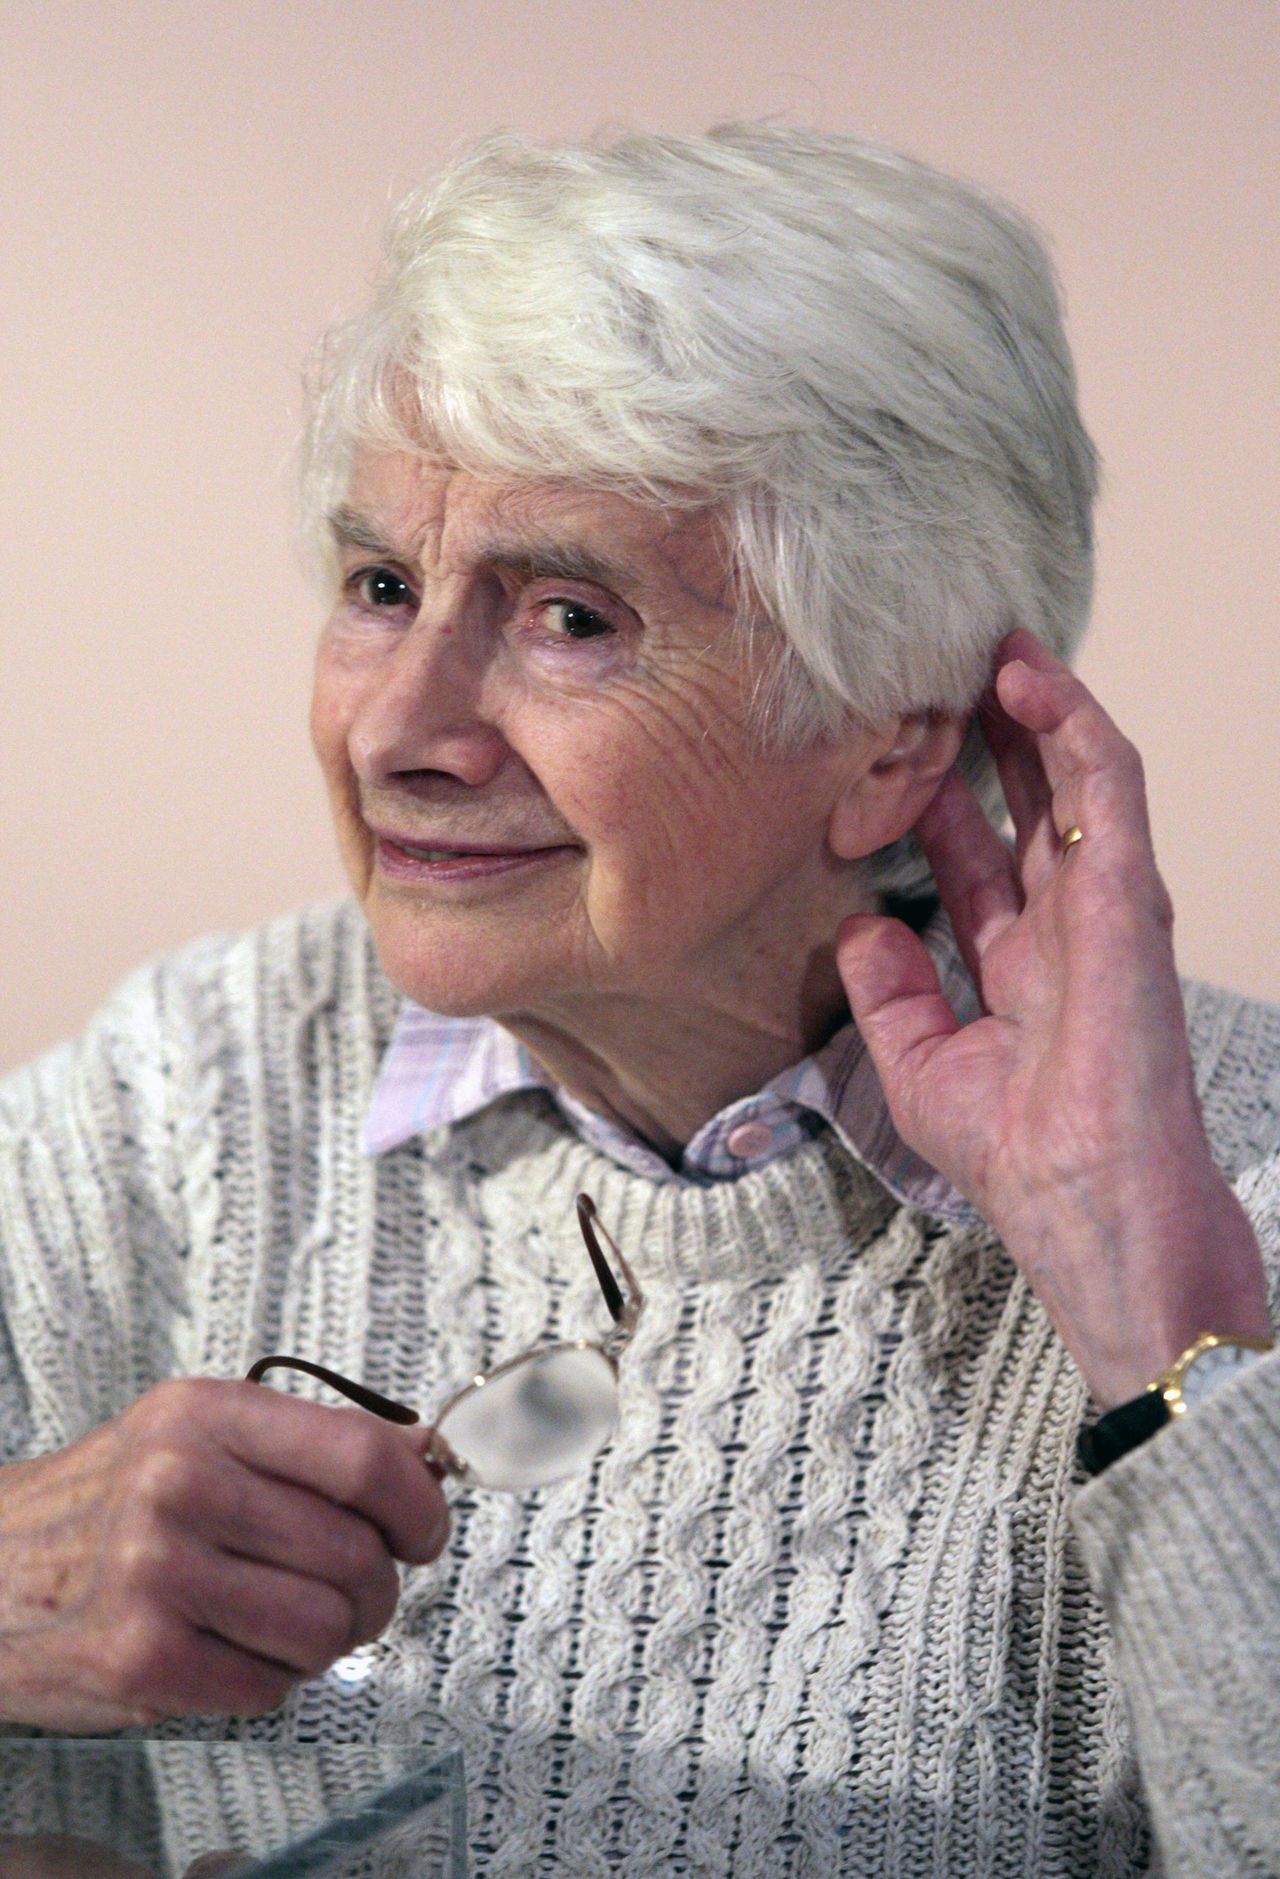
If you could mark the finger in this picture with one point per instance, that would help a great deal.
(285, 1617)
(215, 1499)
(158, 1666)
(346, 1455)
(1074, 736)
(280, 1524)
(1022, 779)
(897, 1003)
(1094, 772)
(220, 1678)
(975, 872)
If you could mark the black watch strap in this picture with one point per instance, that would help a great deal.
(1120, 1430)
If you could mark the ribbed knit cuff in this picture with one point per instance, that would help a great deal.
(1181, 1539)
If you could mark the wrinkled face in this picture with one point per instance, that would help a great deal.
(531, 710)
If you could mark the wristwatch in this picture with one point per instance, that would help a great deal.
(1211, 1360)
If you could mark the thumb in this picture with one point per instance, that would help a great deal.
(897, 1002)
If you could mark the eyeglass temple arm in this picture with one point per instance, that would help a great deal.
(367, 1399)
(623, 1310)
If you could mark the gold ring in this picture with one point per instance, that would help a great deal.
(1072, 836)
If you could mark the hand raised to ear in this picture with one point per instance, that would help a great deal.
(1067, 1112)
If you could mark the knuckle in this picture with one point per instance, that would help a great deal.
(174, 1406)
(1095, 746)
(145, 1558)
(167, 1476)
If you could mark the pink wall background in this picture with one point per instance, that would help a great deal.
(192, 192)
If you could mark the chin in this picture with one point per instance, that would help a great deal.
(451, 974)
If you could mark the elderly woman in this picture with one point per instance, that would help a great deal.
(706, 522)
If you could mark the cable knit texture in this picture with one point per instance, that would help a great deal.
(819, 1607)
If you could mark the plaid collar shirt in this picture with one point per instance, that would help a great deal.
(438, 1070)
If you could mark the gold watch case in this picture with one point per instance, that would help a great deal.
(1211, 1360)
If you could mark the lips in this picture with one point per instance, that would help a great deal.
(422, 853)
(454, 864)
(428, 848)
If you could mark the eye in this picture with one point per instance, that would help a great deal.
(570, 619)
(379, 589)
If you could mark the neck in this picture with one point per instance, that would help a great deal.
(664, 1067)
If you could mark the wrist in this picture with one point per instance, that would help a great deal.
(1215, 1283)
(1146, 1282)
(1205, 1366)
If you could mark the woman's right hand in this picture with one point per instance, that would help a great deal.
(201, 1553)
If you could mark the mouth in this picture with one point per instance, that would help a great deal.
(418, 852)
(403, 860)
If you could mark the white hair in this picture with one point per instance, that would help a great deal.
(859, 360)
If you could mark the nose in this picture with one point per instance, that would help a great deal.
(423, 707)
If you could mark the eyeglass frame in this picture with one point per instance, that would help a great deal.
(623, 1308)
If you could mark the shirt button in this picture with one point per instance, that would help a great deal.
(746, 1140)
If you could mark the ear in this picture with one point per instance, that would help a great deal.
(887, 795)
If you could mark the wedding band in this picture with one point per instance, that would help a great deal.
(1072, 836)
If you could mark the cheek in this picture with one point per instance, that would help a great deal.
(667, 844)
(332, 708)
(699, 832)
(617, 793)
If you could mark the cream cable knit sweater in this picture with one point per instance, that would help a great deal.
(834, 1600)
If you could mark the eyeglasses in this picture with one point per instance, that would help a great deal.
(536, 1418)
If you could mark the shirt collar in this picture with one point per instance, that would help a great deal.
(439, 1070)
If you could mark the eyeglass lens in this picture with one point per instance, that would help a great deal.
(543, 1418)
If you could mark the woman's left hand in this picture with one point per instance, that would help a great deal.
(1067, 1112)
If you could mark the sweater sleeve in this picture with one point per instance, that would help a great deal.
(1181, 1539)
(92, 1217)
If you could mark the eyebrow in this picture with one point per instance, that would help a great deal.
(535, 557)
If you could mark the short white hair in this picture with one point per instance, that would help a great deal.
(861, 361)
